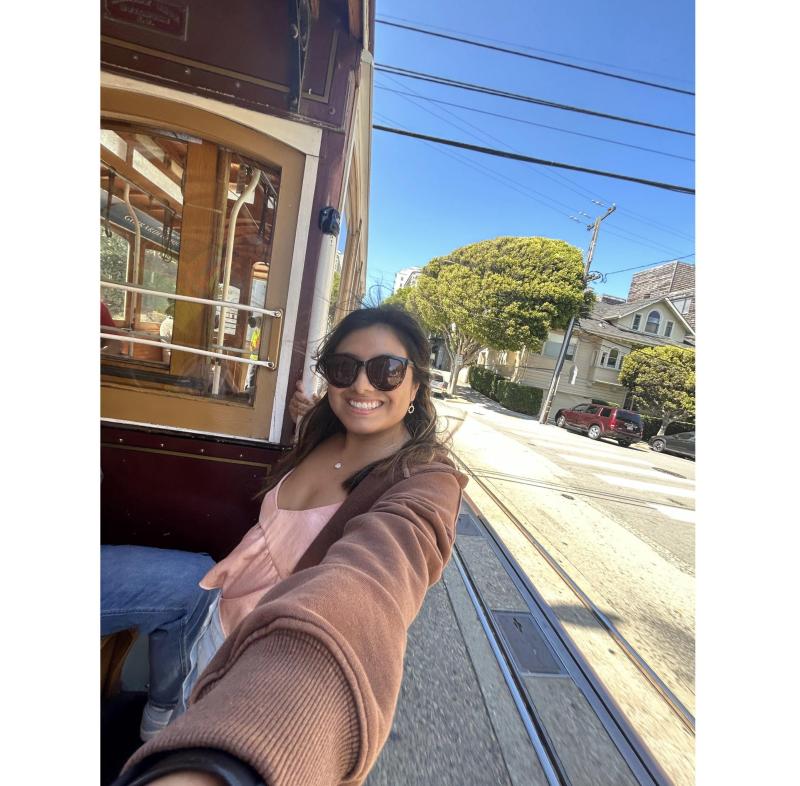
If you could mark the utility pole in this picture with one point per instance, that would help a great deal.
(551, 393)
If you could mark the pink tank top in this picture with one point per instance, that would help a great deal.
(266, 555)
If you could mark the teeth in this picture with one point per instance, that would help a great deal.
(364, 404)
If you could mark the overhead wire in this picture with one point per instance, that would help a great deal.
(523, 190)
(517, 53)
(568, 182)
(479, 167)
(532, 123)
(545, 51)
(642, 267)
(646, 243)
(461, 123)
(533, 160)
(471, 86)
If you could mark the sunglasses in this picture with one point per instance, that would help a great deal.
(385, 372)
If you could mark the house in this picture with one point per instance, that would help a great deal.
(407, 277)
(675, 279)
(599, 342)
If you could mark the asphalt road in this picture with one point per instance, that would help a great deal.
(619, 520)
(651, 494)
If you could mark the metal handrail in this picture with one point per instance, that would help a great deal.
(270, 312)
(226, 276)
(181, 348)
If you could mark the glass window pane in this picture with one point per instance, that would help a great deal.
(552, 348)
(653, 321)
(151, 245)
(114, 253)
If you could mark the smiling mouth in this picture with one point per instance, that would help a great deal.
(364, 406)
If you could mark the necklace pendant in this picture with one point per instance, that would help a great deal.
(337, 465)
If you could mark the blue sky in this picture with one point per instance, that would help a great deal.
(427, 200)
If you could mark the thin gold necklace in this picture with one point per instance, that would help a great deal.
(339, 464)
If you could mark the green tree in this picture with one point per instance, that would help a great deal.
(662, 381)
(405, 299)
(505, 293)
(113, 267)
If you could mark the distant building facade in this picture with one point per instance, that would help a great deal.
(659, 311)
(407, 277)
(675, 279)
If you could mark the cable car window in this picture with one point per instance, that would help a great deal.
(114, 255)
(185, 225)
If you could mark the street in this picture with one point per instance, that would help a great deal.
(620, 522)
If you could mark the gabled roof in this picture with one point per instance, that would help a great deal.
(609, 311)
(606, 329)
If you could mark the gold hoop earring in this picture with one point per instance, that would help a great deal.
(410, 409)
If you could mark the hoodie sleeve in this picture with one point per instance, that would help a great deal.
(305, 689)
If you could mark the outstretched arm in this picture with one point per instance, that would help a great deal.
(304, 690)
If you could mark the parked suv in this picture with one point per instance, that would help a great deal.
(598, 420)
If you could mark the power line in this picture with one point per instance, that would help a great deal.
(531, 123)
(460, 126)
(517, 53)
(440, 80)
(531, 160)
(660, 245)
(651, 264)
(492, 174)
(545, 51)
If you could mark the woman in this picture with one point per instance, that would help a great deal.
(314, 613)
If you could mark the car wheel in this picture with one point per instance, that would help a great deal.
(658, 445)
(623, 444)
(594, 432)
(561, 421)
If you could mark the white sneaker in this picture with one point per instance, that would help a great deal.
(154, 720)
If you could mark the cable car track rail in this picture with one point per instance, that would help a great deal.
(638, 661)
(580, 490)
(548, 758)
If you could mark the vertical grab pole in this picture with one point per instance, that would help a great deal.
(244, 196)
(137, 244)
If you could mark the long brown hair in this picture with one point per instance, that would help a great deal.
(320, 422)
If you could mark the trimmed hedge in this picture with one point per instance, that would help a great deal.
(518, 398)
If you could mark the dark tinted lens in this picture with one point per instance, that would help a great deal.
(386, 372)
(339, 370)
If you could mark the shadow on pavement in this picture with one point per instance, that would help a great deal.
(471, 396)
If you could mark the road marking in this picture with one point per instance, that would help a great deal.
(679, 514)
(594, 452)
(672, 491)
(652, 473)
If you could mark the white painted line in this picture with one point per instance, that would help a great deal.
(617, 455)
(614, 467)
(679, 514)
(642, 485)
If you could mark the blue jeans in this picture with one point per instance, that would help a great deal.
(156, 591)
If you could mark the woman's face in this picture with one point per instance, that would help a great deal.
(362, 408)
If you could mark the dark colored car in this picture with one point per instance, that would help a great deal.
(599, 420)
(681, 444)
